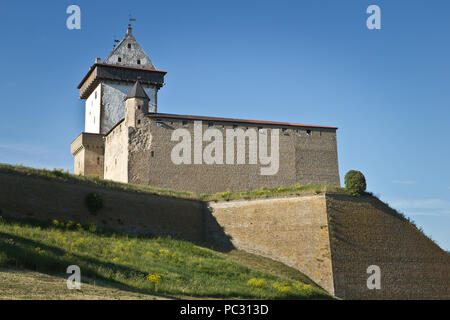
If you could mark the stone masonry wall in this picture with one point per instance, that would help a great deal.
(290, 230)
(47, 199)
(331, 238)
(116, 157)
(304, 159)
(88, 151)
(363, 232)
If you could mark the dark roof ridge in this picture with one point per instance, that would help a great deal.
(193, 117)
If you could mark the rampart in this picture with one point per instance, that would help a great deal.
(331, 238)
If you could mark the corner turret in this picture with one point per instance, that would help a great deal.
(136, 105)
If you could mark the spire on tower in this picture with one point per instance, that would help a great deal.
(137, 91)
(130, 29)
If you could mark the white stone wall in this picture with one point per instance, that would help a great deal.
(78, 163)
(92, 116)
(116, 154)
(113, 102)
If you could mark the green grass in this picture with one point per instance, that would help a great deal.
(21, 284)
(61, 175)
(143, 264)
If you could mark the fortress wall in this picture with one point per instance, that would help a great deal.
(47, 199)
(78, 163)
(88, 152)
(140, 149)
(332, 238)
(93, 161)
(363, 232)
(318, 157)
(116, 160)
(290, 230)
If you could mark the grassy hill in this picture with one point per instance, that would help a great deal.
(153, 266)
(148, 265)
(22, 284)
(61, 175)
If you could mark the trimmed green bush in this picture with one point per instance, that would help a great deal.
(94, 202)
(355, 183)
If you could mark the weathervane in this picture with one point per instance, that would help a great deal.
(130, 19)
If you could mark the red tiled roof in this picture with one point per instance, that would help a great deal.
(191, 117)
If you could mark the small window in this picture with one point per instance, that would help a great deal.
(210, 124)
(308, 132)
(139, 62)
(139, 107)
(153, 154)
(119, 59)
(139, 121)
(235, 126)
(185, 123)
(98, 160)
(129, 46)
(283, 130)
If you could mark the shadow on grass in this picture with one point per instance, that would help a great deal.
(213, 235)
(21, 252)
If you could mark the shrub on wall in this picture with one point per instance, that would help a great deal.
(94, 202)
(355, 183)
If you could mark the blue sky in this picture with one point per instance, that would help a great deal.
(311, 62)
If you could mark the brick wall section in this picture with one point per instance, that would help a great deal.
(364, 232)
(116, 160)
(303, 159)
(291, 230)
(88, 150)
(40, 198)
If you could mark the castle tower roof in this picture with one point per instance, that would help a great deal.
(137, 92)
(129, 53)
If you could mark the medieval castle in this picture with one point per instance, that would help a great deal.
(332, 237)
(126, 139)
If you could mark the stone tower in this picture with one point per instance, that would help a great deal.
(107, 83)
(105, 88)
(136, 105)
